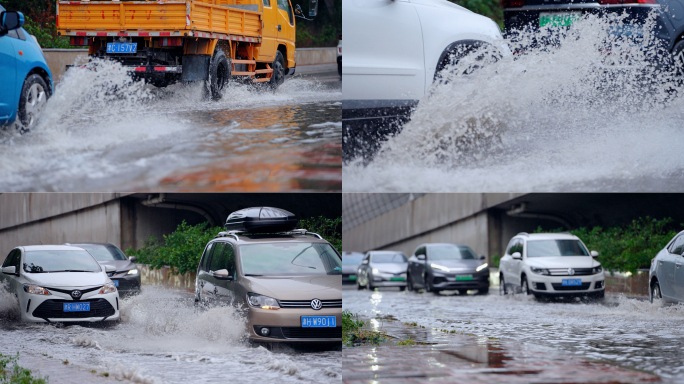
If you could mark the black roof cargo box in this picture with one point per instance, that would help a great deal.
(261, 220)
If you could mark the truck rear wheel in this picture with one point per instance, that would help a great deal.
(219, 73)
(278, 71)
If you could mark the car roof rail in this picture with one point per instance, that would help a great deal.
(303, 231)
(229, 233)
(523, 234)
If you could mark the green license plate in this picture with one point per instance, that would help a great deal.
(352, 277)
(558, 19)
(464, 278)
(397, 279)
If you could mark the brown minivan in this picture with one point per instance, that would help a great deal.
(289, 282)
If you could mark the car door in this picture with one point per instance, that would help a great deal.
(418, 269)
(203, 269)
(509, 266)
(8, 77)
(666, 267)
(226, 288)
(210, 289)
(679, 277)
(285, 31)
(11, 282)
(384, 55)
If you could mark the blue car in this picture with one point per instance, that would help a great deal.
(25, 79)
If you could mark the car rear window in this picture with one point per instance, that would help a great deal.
(103, 252)
(388, 258)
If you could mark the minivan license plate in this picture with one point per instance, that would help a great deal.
(76, 307)
(571, 282)
(122, 47)
(318, 321)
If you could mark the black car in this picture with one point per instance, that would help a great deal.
(524, 16)
(443, 266)
(126, 278)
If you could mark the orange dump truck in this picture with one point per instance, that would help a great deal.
(167, 41)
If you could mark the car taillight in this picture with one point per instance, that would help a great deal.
(513, 3)
(79, 40)
(170, 41)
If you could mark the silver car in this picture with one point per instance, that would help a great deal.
(350, 263)
(382, 269)
(666, 276)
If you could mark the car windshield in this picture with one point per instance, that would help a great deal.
(103, 252)
(551, 248)
(60, 261)
(388, 258)
(451, 252)
(284, 259)
(352, 258)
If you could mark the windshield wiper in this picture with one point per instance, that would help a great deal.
(252, 274)
(71, 270)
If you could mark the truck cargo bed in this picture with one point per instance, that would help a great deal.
(235, 20)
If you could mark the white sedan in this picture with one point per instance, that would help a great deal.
(550, 265)
(58, 283)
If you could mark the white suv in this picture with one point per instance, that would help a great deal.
(550, 265)
(394, 50)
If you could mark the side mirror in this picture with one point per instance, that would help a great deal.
(313, 8)
(420, 257)
(133, 259)
(298, 11)
(516, 255)
(482, 257)
(594, 254)
(10, 270)
(365, 261)
(11, 20)
(222, 274)
(110, 268)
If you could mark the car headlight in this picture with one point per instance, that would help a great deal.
(440, 267)
(36, 290)
(481, 267)
(261, 301)
(132, 272)
(540, 271)
(375, 270)
(596, 270)
(108, 288)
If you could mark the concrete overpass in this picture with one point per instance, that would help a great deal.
(486, 222)
(128, 219)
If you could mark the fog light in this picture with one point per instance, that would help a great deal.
(265, 331)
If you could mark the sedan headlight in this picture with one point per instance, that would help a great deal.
(36, 290)
(540, 271)
(375, 270)
(440, 267)
(596, 270)
(261, 301)
(132, 272)
(481, 267)
(108, 288)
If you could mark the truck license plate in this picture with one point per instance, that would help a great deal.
(122, 47)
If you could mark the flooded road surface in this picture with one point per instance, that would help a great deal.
(163, 339)
(628, 332)
(102, 132)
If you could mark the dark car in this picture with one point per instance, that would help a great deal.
(535, 15)
(126, 278)
(443, 266)
(350, 263)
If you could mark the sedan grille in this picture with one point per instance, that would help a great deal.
(564, 271)
(560, 287)
(307, 303)
(312, 333)
(53, 309)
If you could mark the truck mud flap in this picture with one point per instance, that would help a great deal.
(195, 68)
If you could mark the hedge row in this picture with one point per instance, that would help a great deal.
(182, 249)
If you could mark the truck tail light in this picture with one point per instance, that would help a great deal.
(79, 40)
(512, 3)
(170, 41)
